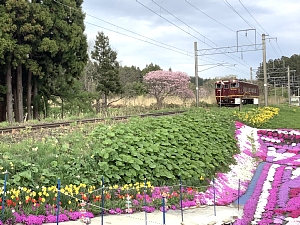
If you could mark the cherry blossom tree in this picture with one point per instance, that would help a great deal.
(162, 84)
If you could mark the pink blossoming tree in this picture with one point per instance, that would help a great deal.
(162, 84)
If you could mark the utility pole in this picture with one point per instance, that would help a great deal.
(289, 86)
(251, 75)
(196, 74)
(265, 69)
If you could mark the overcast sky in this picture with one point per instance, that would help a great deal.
(136, 29)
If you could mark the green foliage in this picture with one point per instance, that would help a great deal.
(278, 68)
(107, 71)
(132, 81)
(44, 40)
(197, 143)
(200, 81)
(149, 68)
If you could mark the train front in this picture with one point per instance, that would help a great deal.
(219, 89)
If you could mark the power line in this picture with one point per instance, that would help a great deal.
(184, 52)
(279, 48)
(186, 31)
(189, 27)
(175, 24)
(230, 6)
(253, 17)
(209, 16)
(187, 54)
(118, 27)
(213, 18)
(238, 70)
(260, 25)
(274, 49)
(160, 44)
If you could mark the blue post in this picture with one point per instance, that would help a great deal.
(181, 209)
(145, 200)
(164, 211)
(239, 194)
(214, 197)
(102, 201)
(57, 201)
(3, 196)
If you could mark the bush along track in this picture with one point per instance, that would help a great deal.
(194, 144)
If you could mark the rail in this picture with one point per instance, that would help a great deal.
(94, 120)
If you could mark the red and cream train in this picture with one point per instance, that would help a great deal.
(228, 91)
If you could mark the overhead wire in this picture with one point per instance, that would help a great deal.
(184, 52)
(232, 8)
(253, 17)
(260, 26)
(214, 19)
(274, 49)
(279, 48)
(122, 28)
(160, 44)
(189, 27)
(139, 39)
(187, 31)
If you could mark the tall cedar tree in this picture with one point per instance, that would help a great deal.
(6, 43)
(67, 58)
(107, 75)
(46, 45)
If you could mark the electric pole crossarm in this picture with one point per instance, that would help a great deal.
(230, 49)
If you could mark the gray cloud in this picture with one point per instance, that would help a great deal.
(278, 20)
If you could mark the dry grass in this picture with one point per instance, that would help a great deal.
(272, 100)
(147, 101)
(211, 99)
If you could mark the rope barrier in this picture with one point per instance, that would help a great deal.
(130, 189)
(175, 185)
(102, 208)
(197, 187)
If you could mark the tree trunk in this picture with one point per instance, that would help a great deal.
(3, 110)
(29, 93)
(20, 94)
(105, 101)
(15, 96)
(9, 96)
(159, 101)
(62, 108)
(35, 102)
(97, 106)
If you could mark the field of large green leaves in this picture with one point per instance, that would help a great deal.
(197, 143)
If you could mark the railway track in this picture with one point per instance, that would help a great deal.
(95, 120)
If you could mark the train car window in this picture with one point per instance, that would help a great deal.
(226, 86)
(233, 85)
(218, 85)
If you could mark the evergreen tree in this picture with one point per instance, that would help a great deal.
(107, 72)
(149, 68)
(132, 81)
(67, 56)
(41, 43)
